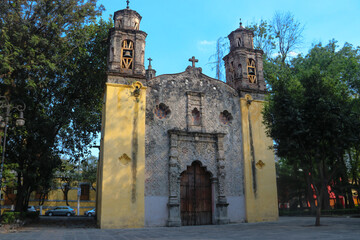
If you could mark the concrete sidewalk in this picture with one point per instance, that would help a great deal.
(288, 228)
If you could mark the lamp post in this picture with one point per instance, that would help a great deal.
(6, 107)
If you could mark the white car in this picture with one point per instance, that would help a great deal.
(59, 211)
(90, 212)
(31, 209)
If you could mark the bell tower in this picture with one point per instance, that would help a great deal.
(244, 72)
(126, 45)
(120, 200)
(244, 64)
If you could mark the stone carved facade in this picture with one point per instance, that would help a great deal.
(216, 145)
(189, 117)
(206, 148)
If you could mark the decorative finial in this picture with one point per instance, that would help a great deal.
(193, 60)
(127, 2)
(149, 67)
(241, 24)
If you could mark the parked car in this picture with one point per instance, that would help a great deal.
(90, 212)
(61, 211)
(31, 209)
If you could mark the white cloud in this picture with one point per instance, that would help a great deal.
(293, 54)
(206, 46)
(290, 54)
(206, 42)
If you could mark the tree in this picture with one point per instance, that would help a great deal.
(288, 33)
(282, 33)
(68, 176)
(263, 37)
(52, 57)
(89, 171)
(222, 46)
(290, 184)
(311, 115)
(354, 169)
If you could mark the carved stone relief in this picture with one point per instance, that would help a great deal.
(206, 148)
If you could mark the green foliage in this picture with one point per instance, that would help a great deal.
(290, 184)
(313, 103)
(52, 57)
(288, 33)
(282, 33)
(10, 217)
(312, 112)
(263, 37)
(69, 175)
(9, 175)
(89, 171)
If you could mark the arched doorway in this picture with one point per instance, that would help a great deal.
(195, 196)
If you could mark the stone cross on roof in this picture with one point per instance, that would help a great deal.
(193, 60)
(241, 26)
(150, 59)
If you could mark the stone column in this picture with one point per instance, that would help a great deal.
(221, 205)
(174, 219)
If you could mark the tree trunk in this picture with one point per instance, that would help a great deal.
(309, 192)
(19, 194)
(346, 200)
(350, 197)
(338, 205)
(66, 197)
(318, 214)
(326, 199)
(320, 192)
(319, 195)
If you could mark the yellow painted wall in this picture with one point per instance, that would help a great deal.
(55, 199)
(99, 178)
(259, 165)
(121, 198)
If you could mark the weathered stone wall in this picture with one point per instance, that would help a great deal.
(171, 92)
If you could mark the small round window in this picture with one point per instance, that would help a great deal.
(225, 117)
(162, 111)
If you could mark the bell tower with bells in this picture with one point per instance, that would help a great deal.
(122, 145)
(126, 46)
(244, 64)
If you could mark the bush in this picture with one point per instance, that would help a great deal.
(307, 212)
(10, 217)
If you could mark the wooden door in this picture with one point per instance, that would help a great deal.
(195, 193)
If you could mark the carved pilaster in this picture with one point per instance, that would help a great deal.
(174, 186)
(221, 206)
(221, 211)
(176, 165)
(174, 219)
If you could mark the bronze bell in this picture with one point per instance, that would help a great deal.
(127, 54)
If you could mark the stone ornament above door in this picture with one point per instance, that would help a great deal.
(206, 148)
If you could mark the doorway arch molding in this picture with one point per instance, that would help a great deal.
(207, 148)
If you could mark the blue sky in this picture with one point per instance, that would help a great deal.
(180, 29)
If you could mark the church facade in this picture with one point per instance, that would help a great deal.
(183, 149)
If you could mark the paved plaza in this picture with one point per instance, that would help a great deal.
(288, 228)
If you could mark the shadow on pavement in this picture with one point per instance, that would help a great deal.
(63, 222)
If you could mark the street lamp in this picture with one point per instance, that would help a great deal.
(7, 107)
